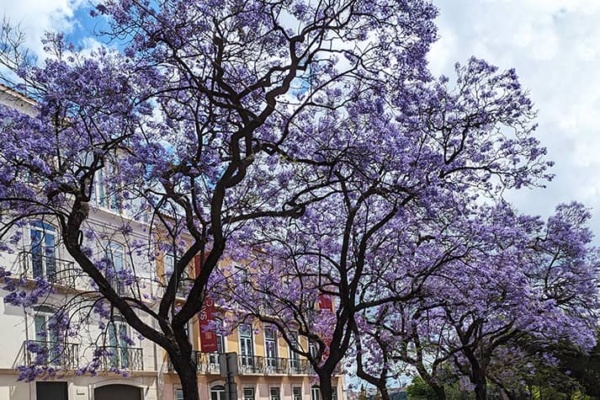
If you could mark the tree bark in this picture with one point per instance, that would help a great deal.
(439, 390)
(186, 368)
(480, 383)
(325, 386)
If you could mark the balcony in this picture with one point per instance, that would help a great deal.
(208, 363)
(274, 365)
(200, 365)
(51, 354)
(118, 358)
(298, 367)
(54, 270)
(250, 365)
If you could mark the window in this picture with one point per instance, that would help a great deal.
(104, 190)
(217, 392)
(184, 285)
(294, 358)
(242, 277)
(313, 349)
(334, 393)
(271, 347)
(47, 334)
(51, 391)
(275, 393)
(214, 357)
(178, 394)
(189, 331)
(169, 266)
(296, 393)
(246, 345)
(315, 393)
(248, 393)
(118, 343)
(115, 257)
(43, 250)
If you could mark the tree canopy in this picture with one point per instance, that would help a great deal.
(304, 139)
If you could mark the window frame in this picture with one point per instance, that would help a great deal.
(271, 346)
(250, 388)
(116, 328)
(246, 341)
(296, 396)
(50, 338)
(274, 393)
(44, 255)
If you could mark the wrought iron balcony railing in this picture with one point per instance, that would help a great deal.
(276, 365)
(57, 354)
(250, 364)
(208, 363)
(37, 265)
(298, 367)
(116, 358)
(200, 364)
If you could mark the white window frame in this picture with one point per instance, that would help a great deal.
(315, 392)
(244, 397)
(220, 392)
(246, 339)
(45, 230)
(274, 393)
(271, 358)
(294, 395)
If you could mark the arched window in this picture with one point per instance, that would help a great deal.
(217, 392)
(120, 392)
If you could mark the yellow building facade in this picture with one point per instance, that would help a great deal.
(266, 368)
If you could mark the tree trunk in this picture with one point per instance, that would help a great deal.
(186, 370)
(439, 390)
(480, 382)
(325, 386)
(384, 393)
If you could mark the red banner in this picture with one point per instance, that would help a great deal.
(208, 338)
(325, 302)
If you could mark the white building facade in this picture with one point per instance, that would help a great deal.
(99, 360)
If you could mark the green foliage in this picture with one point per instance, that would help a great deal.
(420, 390)
(575, 375)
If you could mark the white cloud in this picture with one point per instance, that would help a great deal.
(553, 44)
(37, 16)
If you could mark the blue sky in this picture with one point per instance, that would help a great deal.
(84, 26)
(553, 44)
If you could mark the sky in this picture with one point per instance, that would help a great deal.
(554, 45)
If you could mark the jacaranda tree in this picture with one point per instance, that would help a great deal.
(309, 129)
(393, 221)
(523, 278)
